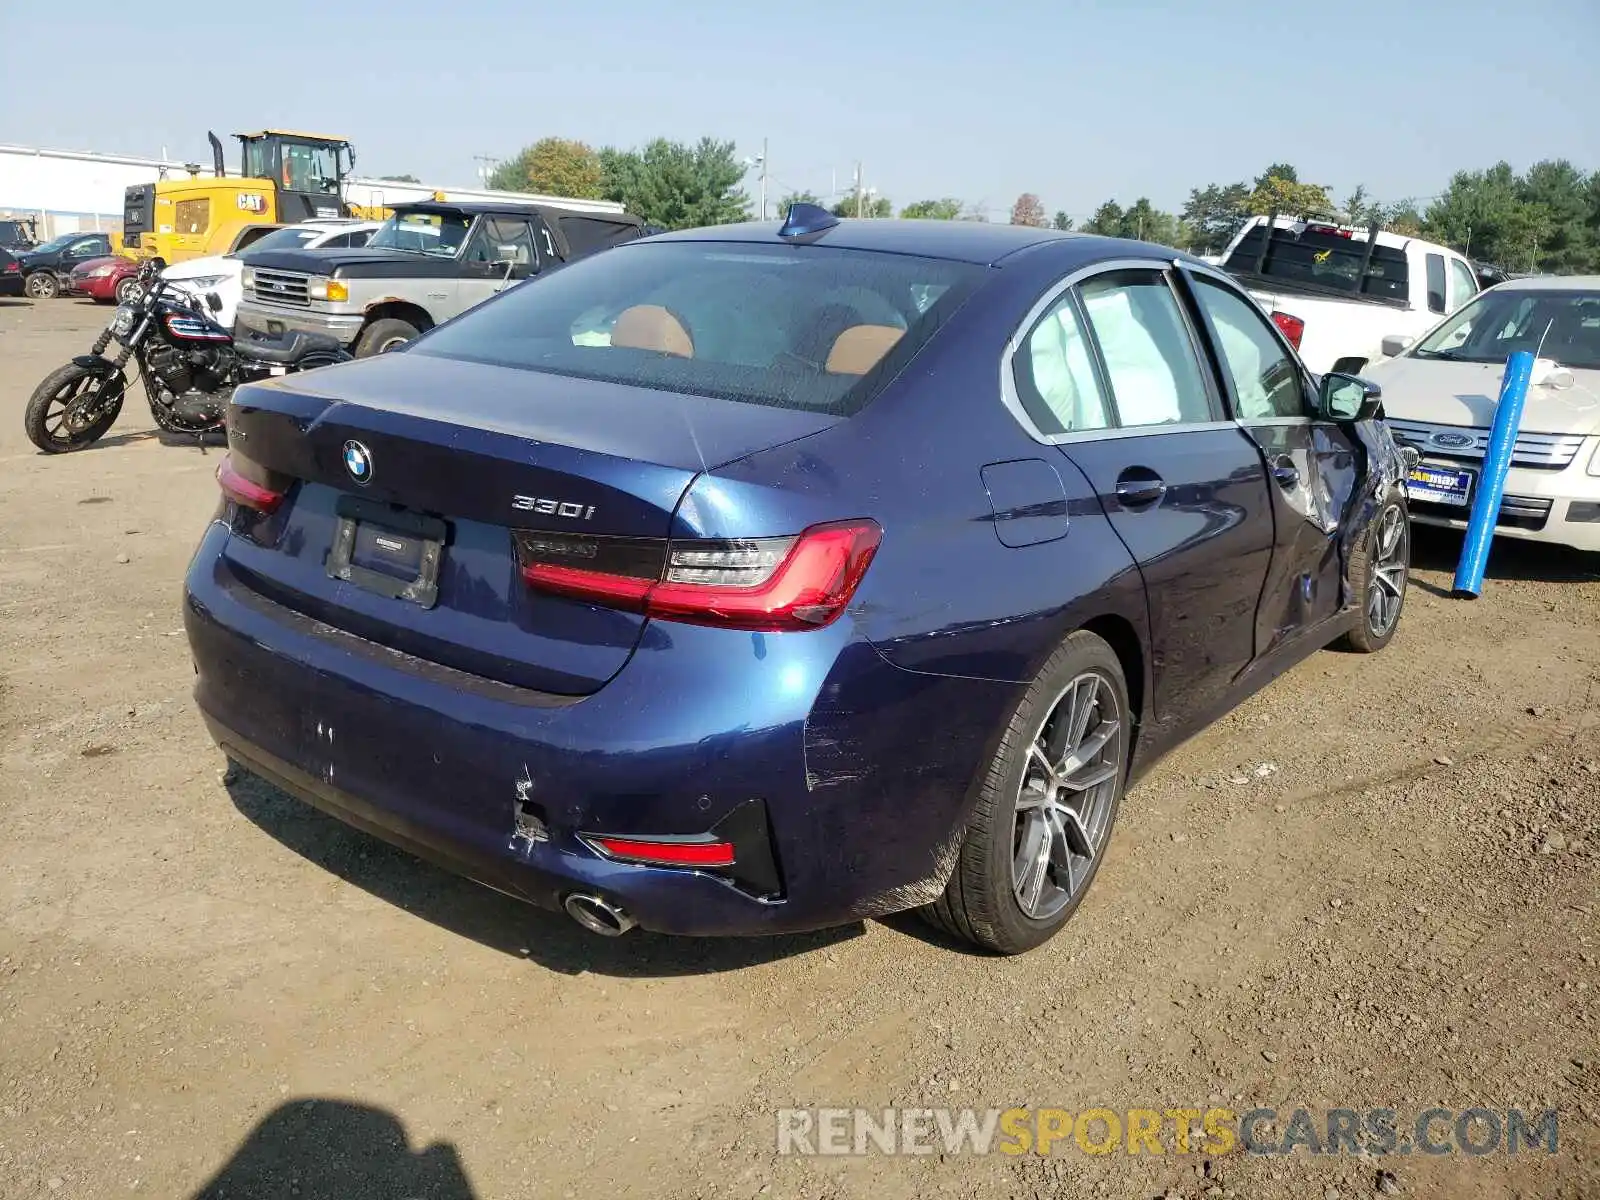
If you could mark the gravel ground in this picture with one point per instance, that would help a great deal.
(1373, 885)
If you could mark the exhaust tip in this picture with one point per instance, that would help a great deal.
(598, 915)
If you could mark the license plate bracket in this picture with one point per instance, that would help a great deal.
(1440, 483)
(386, 550)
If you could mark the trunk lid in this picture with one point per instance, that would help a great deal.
(469, 453)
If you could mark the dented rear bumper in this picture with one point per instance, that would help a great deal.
(862, 804)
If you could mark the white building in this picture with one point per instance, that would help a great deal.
(68, 191)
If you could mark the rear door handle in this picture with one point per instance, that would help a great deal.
(1136, 491)
(1286, 473)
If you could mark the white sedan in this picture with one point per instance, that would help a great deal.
(1440, 396)
(220, 273)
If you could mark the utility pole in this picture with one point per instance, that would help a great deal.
(486, 166)
(763, 179)
(859, 194)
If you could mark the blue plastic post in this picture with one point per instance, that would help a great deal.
(1492, 483)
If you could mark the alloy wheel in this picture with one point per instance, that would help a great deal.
(1390, 563)
(1064, 803)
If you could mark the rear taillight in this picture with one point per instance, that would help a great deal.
(1292, 328)
(234, 478)
(762, 584)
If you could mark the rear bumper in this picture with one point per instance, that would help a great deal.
(253, 318)
(863, 805)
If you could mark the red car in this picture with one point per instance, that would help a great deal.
(104, 280)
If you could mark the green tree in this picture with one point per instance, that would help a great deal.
(1028, 211)
(1276, 192)
(400, 178)
(1557, 193)
(871, 206)
(1061, 221)
(1482, 214)
(794, 198)
(1146, 223)
(552, 166)
(947, 209)
(1107, 220)
(1213, 215)
(676, 185)
(1402, 217)
(1361, 209)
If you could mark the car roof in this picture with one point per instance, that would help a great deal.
(478, 208)
(962, 241)
(1551, 283)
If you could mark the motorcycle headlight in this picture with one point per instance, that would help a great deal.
(323, 288)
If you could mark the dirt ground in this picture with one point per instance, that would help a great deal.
(212, 989)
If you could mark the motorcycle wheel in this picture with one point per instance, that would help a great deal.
(54, 417)
(128, 290)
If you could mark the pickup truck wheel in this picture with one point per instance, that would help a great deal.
(42, 285)
(384, 334)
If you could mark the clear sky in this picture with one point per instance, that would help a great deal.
(1076, 101)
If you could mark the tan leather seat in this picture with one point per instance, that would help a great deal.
(651, 327)
(858, 349)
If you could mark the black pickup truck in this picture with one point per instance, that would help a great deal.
(430, 260)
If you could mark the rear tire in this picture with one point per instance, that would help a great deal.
(1381, 567)
(384, 334)
(1045, 806)
(49, 415)
(42, 285)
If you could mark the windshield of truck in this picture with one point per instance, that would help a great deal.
(813, 327)
(1556, 324)
(313, 169)
(1322, 259)
(442, 234)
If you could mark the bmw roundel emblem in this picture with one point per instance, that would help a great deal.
(358, 461)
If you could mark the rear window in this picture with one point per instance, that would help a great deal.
(1323, 260)
(809, 327)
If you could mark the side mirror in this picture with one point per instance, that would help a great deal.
(1351, 364)
(214, 302)
(1396, 343)
(1347, 398)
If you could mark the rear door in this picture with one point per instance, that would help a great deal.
(1117, 360)
(1314, 465)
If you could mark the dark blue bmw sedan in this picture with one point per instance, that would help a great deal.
(763, 578)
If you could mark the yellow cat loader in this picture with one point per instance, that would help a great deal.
(284, 177)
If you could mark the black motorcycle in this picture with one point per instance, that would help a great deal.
(188, 363)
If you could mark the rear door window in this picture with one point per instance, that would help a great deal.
(1148, 353)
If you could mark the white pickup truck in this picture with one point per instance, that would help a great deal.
(1337, 291)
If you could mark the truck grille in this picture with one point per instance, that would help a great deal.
(283, 287)
(1540, 451)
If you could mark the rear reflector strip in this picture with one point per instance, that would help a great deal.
(673, 853)
(246, 491)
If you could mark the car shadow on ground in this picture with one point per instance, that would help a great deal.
(320, 1149)
(1435, 549)
(15, 302)
(499, 922)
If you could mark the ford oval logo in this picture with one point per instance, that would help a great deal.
(1453, 441)
(358, 461)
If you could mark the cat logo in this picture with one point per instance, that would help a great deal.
(252, 202)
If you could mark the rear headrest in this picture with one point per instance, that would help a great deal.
(651, 327)
(858, 349)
